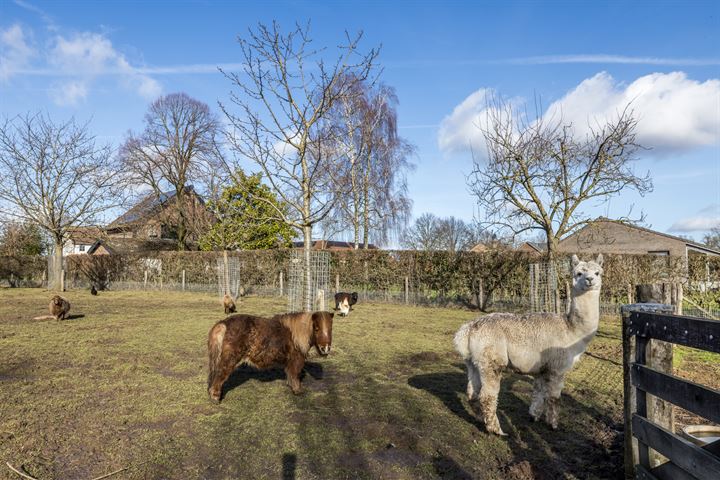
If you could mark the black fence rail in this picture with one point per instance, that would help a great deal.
(685, 460)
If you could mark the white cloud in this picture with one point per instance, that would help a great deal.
(462, 130)
(88, 55)
(705, 219)
(15, 52)
(674, 113)
(69, 93)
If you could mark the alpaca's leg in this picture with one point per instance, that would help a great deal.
(489, 397)
(537, 406)
(473, 386)
(552, 403)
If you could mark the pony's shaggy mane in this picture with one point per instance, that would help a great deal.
(300, 325)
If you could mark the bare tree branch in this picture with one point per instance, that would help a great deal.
(539, 176)
(56, 176)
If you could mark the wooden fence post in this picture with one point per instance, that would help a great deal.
(659, 357)
(481, 294)
(281, 284)
(320, 300)
(337, 282)
(226, 272)
(145, 284)
(62, 280)
(183, 280)
(630, 455)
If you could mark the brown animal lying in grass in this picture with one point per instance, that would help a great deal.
(283, 340)
(59, 308)
(229, 304)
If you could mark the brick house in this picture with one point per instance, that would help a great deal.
(81, 239)
(157, 218)
(149, 225)
(610, 236)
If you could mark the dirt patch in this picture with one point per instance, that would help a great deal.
(519, 471)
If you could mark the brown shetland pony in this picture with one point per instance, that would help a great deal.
(283, 340)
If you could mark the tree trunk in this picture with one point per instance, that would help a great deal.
(366, 205)
(57, 265)
(182, 221)
(552, 245)
(307, 288)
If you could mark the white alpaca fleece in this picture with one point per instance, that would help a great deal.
(541, 344)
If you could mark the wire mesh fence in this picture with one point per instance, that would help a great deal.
(308, 280)
(228, 274)
(544, 295)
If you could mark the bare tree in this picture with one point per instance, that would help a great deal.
(423, 234)
(540, 175)
(177, 149)
(55, 176)
(430, 232)
(455, 234)
(370, 181)
(286, 91)
(712, 239)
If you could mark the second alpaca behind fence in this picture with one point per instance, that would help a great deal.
(544, 345)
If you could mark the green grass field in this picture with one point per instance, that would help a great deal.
(122, 384)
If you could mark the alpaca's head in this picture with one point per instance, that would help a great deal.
(587, 275)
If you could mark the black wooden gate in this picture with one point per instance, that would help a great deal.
(686, 460)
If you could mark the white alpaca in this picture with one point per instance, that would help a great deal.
(544, 345)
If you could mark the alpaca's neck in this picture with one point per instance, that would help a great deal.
(584, 313)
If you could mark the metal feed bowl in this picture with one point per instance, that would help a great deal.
(701, 435)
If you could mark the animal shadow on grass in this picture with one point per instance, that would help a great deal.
(245, 372)
(446, 467)
(539, 452)
(289, 463)
(75, 317)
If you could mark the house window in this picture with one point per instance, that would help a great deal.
(81, 248)
(660, 253)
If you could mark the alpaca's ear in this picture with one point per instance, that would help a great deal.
(575, 260)
(599, 259)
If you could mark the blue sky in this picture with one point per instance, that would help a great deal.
(105, 61)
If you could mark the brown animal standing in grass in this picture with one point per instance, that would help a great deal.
(229, 304)
(283, 340)
(59, 308)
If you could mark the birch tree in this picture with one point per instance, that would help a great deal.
(371, 184)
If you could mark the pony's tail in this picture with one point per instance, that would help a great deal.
(215, 343)
(461, 340)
